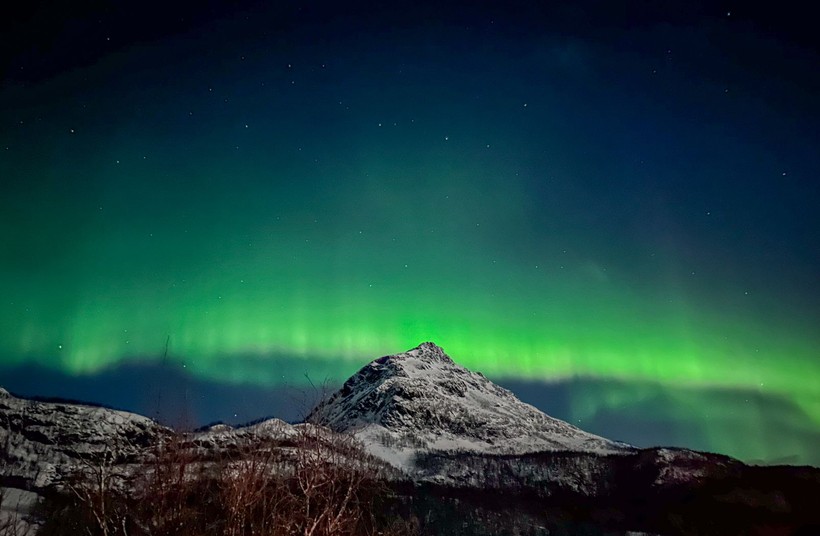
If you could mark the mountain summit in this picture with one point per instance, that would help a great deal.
(421, 400)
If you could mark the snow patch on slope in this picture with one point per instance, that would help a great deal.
(399, 405)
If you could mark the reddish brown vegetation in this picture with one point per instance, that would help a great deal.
(315, 483)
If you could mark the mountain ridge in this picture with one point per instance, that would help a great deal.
(421, 399)
(451, 444)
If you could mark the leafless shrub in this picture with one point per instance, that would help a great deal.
(322, 485)
(165, 489)
(331, 477)
(304, 480)
(252, 490)
(100, 499)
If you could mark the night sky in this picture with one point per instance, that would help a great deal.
(611, 210)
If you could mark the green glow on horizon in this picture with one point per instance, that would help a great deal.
(273, 221)
(738, 424)
(526, 328)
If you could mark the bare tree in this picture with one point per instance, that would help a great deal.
(93, 487)
(304, 480)
(317, 483)
(164, 488)
(330, 474)
(252, 489)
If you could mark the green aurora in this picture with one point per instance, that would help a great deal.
(292, 204)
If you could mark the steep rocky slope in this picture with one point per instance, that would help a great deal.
(420, 400)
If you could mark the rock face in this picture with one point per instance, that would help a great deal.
(43, 442)
(420, 400)
(42, 439)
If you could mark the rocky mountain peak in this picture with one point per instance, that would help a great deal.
(426, 351)
(422, 399)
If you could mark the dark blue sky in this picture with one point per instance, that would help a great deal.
(609, 207)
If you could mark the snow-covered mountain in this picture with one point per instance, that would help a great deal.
(41, 443)
(44, 444)
(459, 447)
(420, 400)
(42, 439)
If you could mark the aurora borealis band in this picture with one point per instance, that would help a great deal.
(625, 204)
